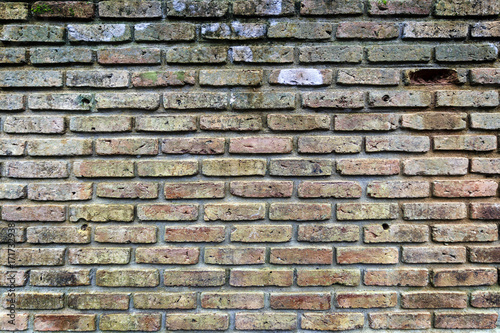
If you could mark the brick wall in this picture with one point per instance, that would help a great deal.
(249, 165)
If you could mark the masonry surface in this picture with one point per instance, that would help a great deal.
(269, 165)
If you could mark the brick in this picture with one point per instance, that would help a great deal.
(301, 256)
(398, 143)
(100, 124)
(12, 235)
(265, 321)
(366, 300)
(195, 100)
(328, 277)
(167, 255)
(367, 255)
(64, 322)
(101, 213)
(398, 189)
(329, 144)
(150, 322)
(142, 101)
(366, 122)
(301, 77)
(434, 255)
(300, 211)
(231, 123)
(484, 254)
(485, 165)
(268, 100)
(197, 321)
(233, 31)
(328, 233)
(99, 256)
(97, 79)
(194, 190)
(127, 146)
(170, 123)
(59, 234)
(396, 233)
(263, 8)
(126, 235)
(300, 167)
(36, 169)
(412, 277)
(298, 122)
(12, 191)
(234, 255)
(164, 32)
(331, 189)
(397, 99)
(300, 301)
(34, 213)
(367, 211)
(12, 102)
(400, 7)
(449, 277)
(127, 190)
(233, 167)
(331, 54)
(260, 278)
(261, 54)
(466, 98)
(261, 233)
(322, 7)
(234, 212)
(399, 53)
(99, 33)
(369, 167)
(475, 320)
(334, 321)
(464, 188)
(434, 121)
(12, 147)
(434, 211)
(61, 55)
(484, 211)
(60, 277)
(98, 301)
(195, 278)
(195, 234)
(20, 324)
(35, 301)
(261, 189)
(368, 76)
(167, 212)
(464, 53)
(32, 34)
(458, 233)
(434, 76)
(367, 30)
(434, 300)
(302, 30)
(130, 9)
(400, 320)
(476, 8)
(466, 142)
(484, 299)
(166, 168)
(12, 56)
(334, 100)
(103, 168)
(61, 102)
(486, 76)
(163, 78)
(34, 79)
(14, 11)
(60, 147)
(196, 146)
(485, 30)
(232, 300)
(192, 8)
(437, 166)
(127, 277)
(63, 10)
(164, 300)
(435, 30)
(197, 55)
(220, 78)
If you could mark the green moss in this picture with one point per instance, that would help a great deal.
(41, 9)
(180, 75)
(153, 76)
(72, 12)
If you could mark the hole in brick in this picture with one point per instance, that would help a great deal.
(385, 226)
(84, 227)
(385, 98)
(85, 100)
(433, 76)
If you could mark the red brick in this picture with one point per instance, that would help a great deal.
(367, 255)
(368, 167)
(461, 320)
(366, 300)
(400, 320)
(300, 301)
(331, 189)
(411, 277)
(434, 300)
(449, 277)
(301, 256)
(261, 189)
(188, 234)
(328, 277)
(64, 322)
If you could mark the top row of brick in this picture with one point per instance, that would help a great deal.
(135, 9)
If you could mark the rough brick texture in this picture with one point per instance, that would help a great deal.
(249, 165)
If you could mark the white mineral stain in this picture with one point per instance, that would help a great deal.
(300, 76)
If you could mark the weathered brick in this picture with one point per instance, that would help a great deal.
(466, 98)
(103, 168)
(164, 300)
(14, 11)
(166, 168)
(328, 233)
(130, 9)
(99, 33)
(368, 76)
(231, 123)
(34, 79)
(466, 142)
(298, 122)
(300, 301)
(261, 189)
(401, 98)
(300, 167)
(434, 300)
(61, 102)
(333, 321)
(366, 122)
(231, 77)
(322, 7)
(127, 190)
(197, 55)
(143, 101)
(367, 255)
(396, 233)
(369, 167)
(398, 189)
(61, 55)
(484, 211)
(34, 213)
(399, 53)
(33, 257)
(98, 301)
(261, 233)
(300, 211)
(12, 147)
(97, 79)
(484, 254)
(366, 300)
(12, 102)
(485, 76)
(485, 29)
(328, 277)
(268, 100)
(260, 278)
(195, 100)
(458, 233)
(331, 54)
(435, 30)
(301, 77)
(234, 212)
(473, 320)
(32, 33)
(235, 255)
(398, 143)
(59, 234)
(63, 9)
(126, 235)
(64, 322)
(203, 146)
(437, 166)
(12, 55)
(164, 32)
(329, 144)
(453, 277)
(195, 278)
(193, 8)
(195, 234)
(233, 167)
(474, 8)
(100, 124)
(194, 190)
(485, 165)
(101, 213)
(60, 147)
(21, 321)
(16, 278)
(60, 277)
(262, 54)
(163, 78)
(367, 30)
(331, 189)
(300, 30)
(334, 99)
(197, 321)
(301, 256)
(414, 277)
(367, 211)
(263, 8)
(127, 277)
(464, 188)
(399, 7)
(170, 123)
(434, 121)
(435, 76)
(232, 300)
(400, 320)
(167, 212)
(485, 299)
(12, 191)
(434, 255)
(233, 31)
(127, 146)
(167, 255)
(35, 301)
(99, 256)
(434, 211)
(265, 321)
(466, 52)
